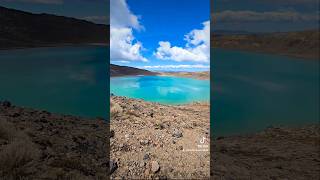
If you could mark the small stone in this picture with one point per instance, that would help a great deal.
(127, 136)
(155, 166)
(159, 126)
(176, 133)
(146, 157)
(144, 142)
(147, 172)
(6, 104)
(220, 137)
(113, 166)
(174, 141)
(111, 133)
(142, 164)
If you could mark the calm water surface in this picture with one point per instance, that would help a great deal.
(162, 89)
(249, 91)
(67, 80)
(252, 91)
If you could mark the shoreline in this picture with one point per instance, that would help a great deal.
(201, 75)
(303, 44)
(192, 75)
(164, 104)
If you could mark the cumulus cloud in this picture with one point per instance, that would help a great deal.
(121, 16)
(230, 16)
(181, 66)
(197, 48)
(123, 45)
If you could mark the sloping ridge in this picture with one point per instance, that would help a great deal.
(24, 29)
(116, 70)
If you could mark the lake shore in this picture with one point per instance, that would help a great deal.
(299, 44)
(60, 146)
(194, 75)
(123, 71)
(204, 75)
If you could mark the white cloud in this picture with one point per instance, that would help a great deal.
(123, 45)
(181, 66)
(124, 62)
(197, 48)
(121, 16)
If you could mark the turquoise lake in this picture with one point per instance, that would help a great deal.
(162, 89)
(252, 91)
(66, 80)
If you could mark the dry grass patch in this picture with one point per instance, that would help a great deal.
(17, 158)
(7, 130)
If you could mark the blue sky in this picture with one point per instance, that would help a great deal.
(266, 15)
(93, 10)
(166, 21)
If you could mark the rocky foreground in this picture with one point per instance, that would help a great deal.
(159, 141)
(148, 140)
(41, 145)
(276, 153)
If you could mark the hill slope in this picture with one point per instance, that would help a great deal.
(22, 29)
(116, 70)
(303, 44)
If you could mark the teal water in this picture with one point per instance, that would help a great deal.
(162, 89)
(66, 80)
(252, 91)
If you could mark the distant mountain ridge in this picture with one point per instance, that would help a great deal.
(116, 70)
(20, 29)
(301, 44)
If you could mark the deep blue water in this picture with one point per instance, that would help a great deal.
(252, 91)
(162, 89)
(66, 80)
